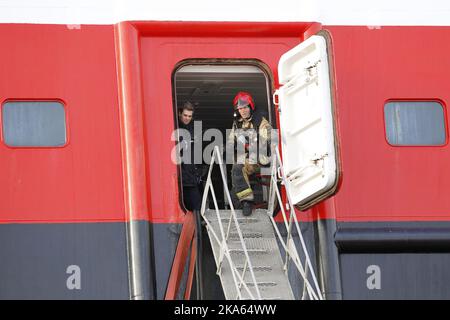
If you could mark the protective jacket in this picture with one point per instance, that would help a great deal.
(260, 137)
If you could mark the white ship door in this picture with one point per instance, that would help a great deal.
(306, 122)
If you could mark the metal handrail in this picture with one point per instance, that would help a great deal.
(277, 171)
(238, 278)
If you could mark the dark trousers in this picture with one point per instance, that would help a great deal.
(192, 198)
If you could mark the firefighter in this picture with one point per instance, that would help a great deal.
(249, 133)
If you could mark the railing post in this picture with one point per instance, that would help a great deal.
(289, 245)
(198, 265)
(224, 250)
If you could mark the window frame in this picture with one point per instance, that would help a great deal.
(403, 100)
(66, 119)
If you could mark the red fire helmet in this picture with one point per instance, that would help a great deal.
(243, 99)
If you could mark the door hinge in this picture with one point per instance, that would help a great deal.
(313, 65)
(317, 158)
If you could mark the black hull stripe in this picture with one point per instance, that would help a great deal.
(391, 237)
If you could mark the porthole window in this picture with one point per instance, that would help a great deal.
(34, 124)
(415, 123)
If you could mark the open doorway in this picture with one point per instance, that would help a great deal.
(212, 87)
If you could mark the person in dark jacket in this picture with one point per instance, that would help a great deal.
(190, 172)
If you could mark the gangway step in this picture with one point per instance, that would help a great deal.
(242, 251)
(257, 268)
(246, 235)
(261, 247)
(263, 284)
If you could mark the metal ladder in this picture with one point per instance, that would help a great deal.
(247, 255)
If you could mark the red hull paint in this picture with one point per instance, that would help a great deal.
(82, 181)
(117, 164)
(381, 182)
(159, 57)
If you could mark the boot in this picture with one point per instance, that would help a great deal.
(247, 207)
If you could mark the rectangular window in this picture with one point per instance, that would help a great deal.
(34, 124)
(415, 123)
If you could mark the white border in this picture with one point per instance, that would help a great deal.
(327, 12)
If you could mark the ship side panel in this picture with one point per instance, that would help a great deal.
(392, 208)
(62, 219)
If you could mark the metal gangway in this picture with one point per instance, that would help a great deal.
(248, 258)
